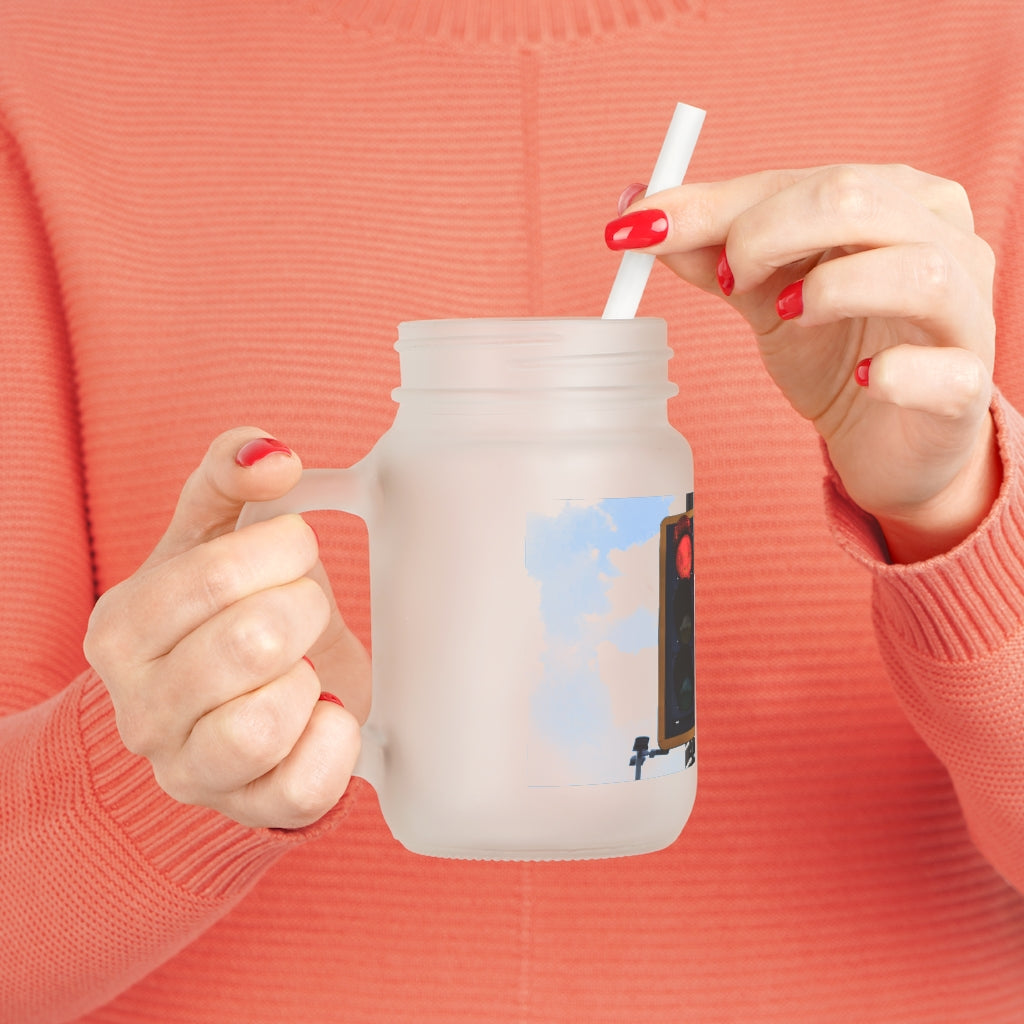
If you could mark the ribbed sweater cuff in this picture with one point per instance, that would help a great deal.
(966, 602)
(194, 848)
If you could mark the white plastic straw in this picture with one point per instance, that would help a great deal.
(674, 158)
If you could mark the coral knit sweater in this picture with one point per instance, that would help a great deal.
(214, 214)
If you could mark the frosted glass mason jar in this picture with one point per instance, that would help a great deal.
(530, 520)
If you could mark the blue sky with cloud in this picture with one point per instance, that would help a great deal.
(577, 716)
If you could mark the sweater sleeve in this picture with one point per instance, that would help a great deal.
(102, 876)
(951, 631)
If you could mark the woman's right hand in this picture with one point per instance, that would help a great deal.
(871, 299)
(203, 650)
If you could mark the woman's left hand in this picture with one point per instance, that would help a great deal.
(870, 297)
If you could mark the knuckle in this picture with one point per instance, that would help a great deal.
(136, 735)
(956, 383)
(309, 795)
(96, 642)
(953, 408)
(104, 642)
(221, 581)
(142, 730)
(902, 173)
(971, 382)
(931, 271)
(953, 196)
(778, 180)
(326, 769)
(950, 201)
(263, 634)
(848, 194)
(254, 641)
(254, 733)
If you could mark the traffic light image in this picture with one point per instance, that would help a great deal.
(676, 705)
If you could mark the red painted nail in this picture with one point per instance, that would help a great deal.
(252, 451)
(309, 663)
(331, 698)
(790, 303)
(724, 274)
(861, 373)
(637, 230)
(629, 195)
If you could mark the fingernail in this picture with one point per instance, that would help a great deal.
(724, 274)
(252, 451)
(629, 195)
(331, 698)
(790, 303)
(861, 373)
(637, 230)
(309, 663)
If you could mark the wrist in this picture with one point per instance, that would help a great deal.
(949, 518)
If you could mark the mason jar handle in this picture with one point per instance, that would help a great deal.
(337, 490)
(350, 490)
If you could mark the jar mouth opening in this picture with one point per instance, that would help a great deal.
(540, 395)
(594, 332)
(567, 355)
(530, 320)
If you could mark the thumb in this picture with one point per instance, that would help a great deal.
(241, 465)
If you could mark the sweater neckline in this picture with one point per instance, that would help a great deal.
(521, 22)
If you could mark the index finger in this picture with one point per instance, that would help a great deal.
(173, 598)
(701, 214)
